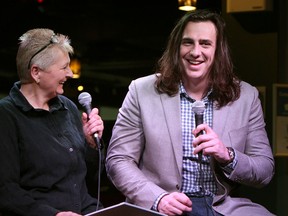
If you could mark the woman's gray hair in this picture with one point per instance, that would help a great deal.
(36, 47)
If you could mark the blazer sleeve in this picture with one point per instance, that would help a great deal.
(245, 131)
(128, 146)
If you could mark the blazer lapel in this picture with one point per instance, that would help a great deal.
(171, 107)
(220, 118)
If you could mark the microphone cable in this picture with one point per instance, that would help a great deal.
(99, 176)
(99, 148)
(85, 100)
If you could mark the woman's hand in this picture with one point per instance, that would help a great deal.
(92, 126)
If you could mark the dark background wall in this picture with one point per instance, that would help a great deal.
(117, 41)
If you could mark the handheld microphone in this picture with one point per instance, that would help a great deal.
(85, 100)
(198, 107)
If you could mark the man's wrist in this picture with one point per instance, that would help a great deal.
(231, 154)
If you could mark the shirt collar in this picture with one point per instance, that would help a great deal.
(183, 93)
(21, 102)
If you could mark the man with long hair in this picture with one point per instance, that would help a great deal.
(161, 159)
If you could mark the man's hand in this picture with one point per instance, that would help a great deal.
(210, 144)
(175, 204)
(69, 213)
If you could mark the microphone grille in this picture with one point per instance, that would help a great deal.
(198, 107)
(84, 98)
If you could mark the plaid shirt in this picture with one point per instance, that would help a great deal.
(191, 168)
(190, 171)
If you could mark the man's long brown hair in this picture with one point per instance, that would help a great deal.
(223, 81)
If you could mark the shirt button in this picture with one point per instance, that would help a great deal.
(71, 149)
(177, 187)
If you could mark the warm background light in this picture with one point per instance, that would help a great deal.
(80, 88)
(75, 66)
(187, 5)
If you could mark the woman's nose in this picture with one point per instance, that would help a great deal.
(69, 73)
